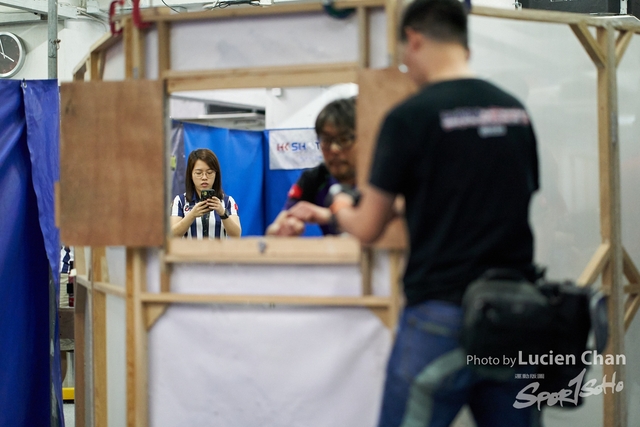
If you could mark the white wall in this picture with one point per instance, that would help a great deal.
(76, 37)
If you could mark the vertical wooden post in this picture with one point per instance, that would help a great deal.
(99, 320)
(136, 340)
(397, 268)
(164, 47)
(392, 12)
(615, 411)
(79, 344)
(363, 37)
(134, 51)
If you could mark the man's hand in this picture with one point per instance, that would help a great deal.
(308, 212)
(286, 226)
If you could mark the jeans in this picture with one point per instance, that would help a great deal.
(428, 380)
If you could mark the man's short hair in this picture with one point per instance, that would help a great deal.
(340, 113)
(439, 20)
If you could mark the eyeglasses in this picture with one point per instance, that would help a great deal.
(198, 173)
(344, 142)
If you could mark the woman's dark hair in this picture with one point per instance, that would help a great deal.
(341, 113)
(439, 20)
(211, 160)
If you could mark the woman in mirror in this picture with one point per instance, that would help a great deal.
(204, 211)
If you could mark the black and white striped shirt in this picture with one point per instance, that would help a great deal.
(207, 226)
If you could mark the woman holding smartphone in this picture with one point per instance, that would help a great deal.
(204, 211)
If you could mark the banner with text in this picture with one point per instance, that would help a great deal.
(293, 149)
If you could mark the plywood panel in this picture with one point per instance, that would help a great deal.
(111, 165)
(379, 92)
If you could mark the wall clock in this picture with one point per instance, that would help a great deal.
(12, 53)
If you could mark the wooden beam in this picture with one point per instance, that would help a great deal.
(364, 41)
(589, 43)
(392, 12)
(80, 262)
(80, 70)
(273, 250)
(558, 17)
(153, 312)
(615, 408)
(99, 328)
(631, 308)
(629, 268)
(595, 265)
(288, 76)
(164, 47)
(622, 43)
(80, 374)
(367, 301)
(97, 62)
(110, 289)
(160, 14)
(397, 258)
(137, 370)
(366, 267)
(84, 282)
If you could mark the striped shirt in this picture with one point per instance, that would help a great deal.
(66, 256)
(207, 226)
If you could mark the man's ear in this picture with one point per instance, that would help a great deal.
(414, 39)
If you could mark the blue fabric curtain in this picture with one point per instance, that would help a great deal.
(29, 249)
(241, 159)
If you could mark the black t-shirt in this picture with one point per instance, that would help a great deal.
(313, 186)
(463, 154)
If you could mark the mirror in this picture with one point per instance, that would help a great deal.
(263, 139)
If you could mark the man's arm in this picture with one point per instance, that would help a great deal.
(368, 220)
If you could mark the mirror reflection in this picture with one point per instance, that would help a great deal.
(243, 158)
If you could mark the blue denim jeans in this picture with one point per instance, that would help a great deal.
(428, 380)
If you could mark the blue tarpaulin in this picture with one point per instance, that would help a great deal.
(29, 249)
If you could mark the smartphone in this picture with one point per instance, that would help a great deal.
(207, 194)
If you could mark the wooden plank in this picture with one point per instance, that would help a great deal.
(622, 43)
(392, 13)
(379, 92)
(153, 312)
(137, 402)
(84, 282)
(110, 289)
(595, 266)
(610, 218)
(164, 47)
(271, 250)
(366, 301)
(629, 268)
(80, 262)
(589, 43)
(631, 308)
(163, 14)
(105, 42)
(552, 16)
(287, 76)
(80, 70)
(364, 40)
(80, 373)
(99, 307)
(366, 267)
(128, 40)
(111, 150)
(134, 51)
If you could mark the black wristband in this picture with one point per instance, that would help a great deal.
(227, 212)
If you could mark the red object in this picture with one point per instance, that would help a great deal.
(137, 17)
(295, 192)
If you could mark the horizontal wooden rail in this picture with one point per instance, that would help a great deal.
(159, 14)
(337, 301)
(284, 76)
(272, 250)
(84, 282)
(110, 289)
(627, 23)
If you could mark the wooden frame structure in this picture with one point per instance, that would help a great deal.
(143, 308)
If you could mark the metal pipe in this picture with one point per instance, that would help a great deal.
(52, 21)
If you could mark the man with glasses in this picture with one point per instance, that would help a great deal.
(335, 127)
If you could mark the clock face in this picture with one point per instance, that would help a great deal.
(11, 54)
